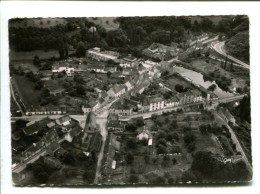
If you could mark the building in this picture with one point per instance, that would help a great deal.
(129, 86)
(161, 52)
(44, 110)
(116, 91)
(37, 127)
(115, 126)
(91, 106)
(73, 132)
(92, 142)
(111, 148)
(156, 103)
(123, 107)
(58, 68)
(52, 162)
(172, 102)
(144, 134)
(197, 95)
(90, 123)
(99, 55)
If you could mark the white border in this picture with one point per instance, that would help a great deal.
(85, 9)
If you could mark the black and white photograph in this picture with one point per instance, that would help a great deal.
(140, 100)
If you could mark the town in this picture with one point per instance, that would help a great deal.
(117, 101)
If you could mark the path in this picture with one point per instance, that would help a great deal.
(237, 143)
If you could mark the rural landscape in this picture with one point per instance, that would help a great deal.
(130, 100)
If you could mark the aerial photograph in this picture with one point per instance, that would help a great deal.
(157, 101)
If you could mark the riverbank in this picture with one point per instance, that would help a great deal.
(211, 71)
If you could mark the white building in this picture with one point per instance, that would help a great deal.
(156, 103)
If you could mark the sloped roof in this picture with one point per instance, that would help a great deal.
(37, 126)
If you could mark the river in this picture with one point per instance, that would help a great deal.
(197, 78)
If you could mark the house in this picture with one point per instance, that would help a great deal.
(91, 106)
(172, 102)
(104, 96)
(129, 86)
(144, 134)
(155, 103)
(116, 91)
(161, 52)
(52, 162)
(53, 147)
(123, 107)
(197, 95)
(44, 110)
(115, 126)
(37, 126)
(99, 55)
(92, 142)
(74, 132)
(58, 68)
(112, 146)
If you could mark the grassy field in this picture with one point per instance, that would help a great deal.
(107, 22)
(26, 91)
(13, 55)
(26, 65)
(38, 22)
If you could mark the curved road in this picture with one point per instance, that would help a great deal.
(218, 47)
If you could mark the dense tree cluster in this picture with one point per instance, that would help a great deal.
(206, 167)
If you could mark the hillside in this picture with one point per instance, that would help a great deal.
(238, 43)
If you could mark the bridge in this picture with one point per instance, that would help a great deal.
(231, 99)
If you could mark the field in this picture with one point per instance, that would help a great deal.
(38, 22)
(106, 22)
(30, 55)
(26, 65)
(26, 91)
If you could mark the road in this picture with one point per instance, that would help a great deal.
(14, 97)
(238, 145)
(219, 48)
(101, 122)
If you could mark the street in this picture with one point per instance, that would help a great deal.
(218, 47)
(101, 122)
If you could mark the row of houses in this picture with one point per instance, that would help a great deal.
(129, 106)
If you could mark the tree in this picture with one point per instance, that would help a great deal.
(131, 144)
(146, 159)
(89, 176)
(131, 127)
(160, 180)
(212, 87)
(36, 61)
(109, 74)
(188, 176)
(129, 158)
(133, 178)
(81, 50)
(161, 149)
(179, 88)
